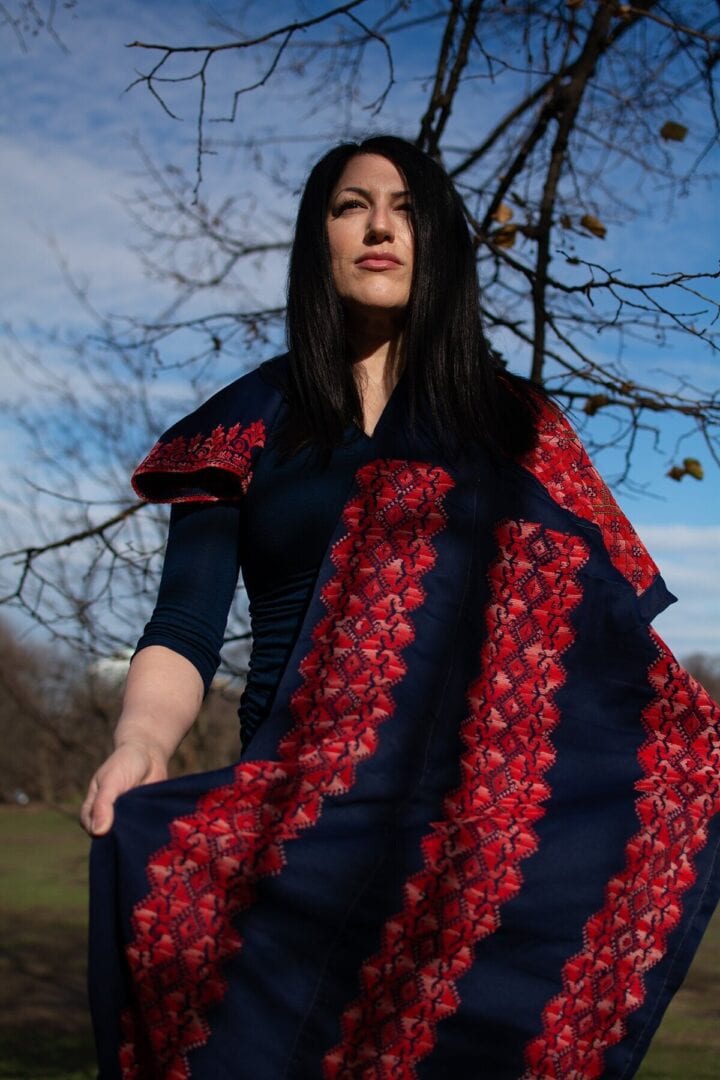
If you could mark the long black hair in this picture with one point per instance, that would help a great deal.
(454, 382)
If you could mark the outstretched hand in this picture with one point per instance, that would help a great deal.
(132, 764)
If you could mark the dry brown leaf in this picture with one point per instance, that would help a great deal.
(504, 237)
(566, 221)
(593, 225)
(693, 468)
(690, 467)
(673, 131)
(595, 402)
(503, 214)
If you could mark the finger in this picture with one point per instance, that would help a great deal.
(102, 814)
(87, 806)
(114, 779)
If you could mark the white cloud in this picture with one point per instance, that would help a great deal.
(71, 203)
(688, 559)
(675, 538)
(66, 143)
(67, 157)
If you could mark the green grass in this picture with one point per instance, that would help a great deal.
(687, 1043)
(44, 863)
(44, 1027)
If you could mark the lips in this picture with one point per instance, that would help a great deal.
(378, 261)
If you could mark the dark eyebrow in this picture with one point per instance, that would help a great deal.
(366, 193)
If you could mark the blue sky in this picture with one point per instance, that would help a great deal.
(69, 164)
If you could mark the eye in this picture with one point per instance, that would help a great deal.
(347, 204)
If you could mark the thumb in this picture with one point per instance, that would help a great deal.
(102, 814)
(128, 766)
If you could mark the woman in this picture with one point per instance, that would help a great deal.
(473, 825)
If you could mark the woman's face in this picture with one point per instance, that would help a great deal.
(370, 235)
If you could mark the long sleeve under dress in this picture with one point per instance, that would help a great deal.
(277, 536)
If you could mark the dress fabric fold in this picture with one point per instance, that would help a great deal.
(476, 832)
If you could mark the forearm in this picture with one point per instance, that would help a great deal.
(163, 695)
(165, 686)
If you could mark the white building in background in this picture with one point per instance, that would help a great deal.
(111, 671)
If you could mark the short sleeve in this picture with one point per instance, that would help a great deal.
(210, 454)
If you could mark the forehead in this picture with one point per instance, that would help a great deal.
(371, 172)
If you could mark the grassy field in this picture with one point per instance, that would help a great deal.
(44, 1030)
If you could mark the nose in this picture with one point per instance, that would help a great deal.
(380, 225)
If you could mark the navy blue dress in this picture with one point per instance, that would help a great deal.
(474, 830)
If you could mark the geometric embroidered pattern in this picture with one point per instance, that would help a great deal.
(183, 931)
(472, 856)
(561, 464)
(229, 451)
(680, 793)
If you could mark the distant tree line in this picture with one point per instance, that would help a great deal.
(57, 716)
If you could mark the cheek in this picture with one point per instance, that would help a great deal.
(342, 260)
(340, 249)
(341, 275)
(338, 261)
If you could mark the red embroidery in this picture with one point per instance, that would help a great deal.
(561, 464)
(230, 451)
(680, 788)
(473, 856)
(183, 929)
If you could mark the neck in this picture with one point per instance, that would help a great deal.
(375, 351)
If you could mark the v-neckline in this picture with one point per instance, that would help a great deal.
(381, 417)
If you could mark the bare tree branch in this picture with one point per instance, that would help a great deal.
(671, 24)
(597, 99)
(154, 79)
(30, 553)
(29, 21)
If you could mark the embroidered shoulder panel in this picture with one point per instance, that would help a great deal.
(561, 464)
(166, 474)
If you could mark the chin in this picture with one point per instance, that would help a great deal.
(369, 309)
(377, 301)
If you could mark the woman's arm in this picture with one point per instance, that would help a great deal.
(176, 658)
(163, 695)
